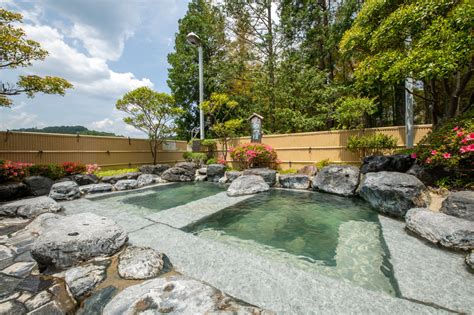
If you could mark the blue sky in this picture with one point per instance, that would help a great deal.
(104, 47)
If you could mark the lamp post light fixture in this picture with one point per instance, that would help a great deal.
(194, 40)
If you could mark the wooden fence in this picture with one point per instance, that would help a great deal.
(108, 152)
(298, 149)
(294, 150)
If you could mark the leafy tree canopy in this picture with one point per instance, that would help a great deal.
(151, 112)
(18, 51)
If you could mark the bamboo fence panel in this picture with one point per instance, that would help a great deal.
(108, 152)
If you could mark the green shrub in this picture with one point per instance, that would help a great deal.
(378, 143)
(288, 171)
(449, 145)
(116, 172)
(322, 163)
(209, 142)
(196, 157)
(211, 161)
(52, 171)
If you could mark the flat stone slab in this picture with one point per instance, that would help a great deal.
(195, 211)
(427, 273)
(30, 207)
(139, 263)
(126, 219)
(265, 283)
(177, 295)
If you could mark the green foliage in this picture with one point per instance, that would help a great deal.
(211, 161)
(353, 111)
(371, 144)
(322, 163)
(209, 142)
(52, 171)
(151, 112)
(219, 107)
(207, 21)
(18, 51)
(116, 172)
(288, 171)
(249, 155)
(450, 145)
(196, 157)
(426, 40)
(457, 181)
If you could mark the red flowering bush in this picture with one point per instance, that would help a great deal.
(71, 168)
(13, 170)
(254, 155)
(450, 145)
(92, 168)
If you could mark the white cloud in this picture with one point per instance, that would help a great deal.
(102, 26)
(89, 75)
(18, 117)
(115, 124)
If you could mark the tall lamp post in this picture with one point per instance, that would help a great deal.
(194, 40)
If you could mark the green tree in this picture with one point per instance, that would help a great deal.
(352, 112)
(18, 51)
(219, 108)
(208, 22)
(430, 41)
(151, 112)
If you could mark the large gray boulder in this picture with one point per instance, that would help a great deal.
(13, 190)
(30, 208)
(76, 238)
(85, 179)
(247, 185)
(337, 179)
(157, 169)
(309, 170)
(67, 190)
(177, 295)
(126, 184)
(115, 178)
(394, 193)
(459, 204)
(83, 279)
(39, 185)
(470, 260)
(268, 175)
(232, 175)
(96, 188)
(181, 172)
(389, 163)
(295, 181)
(215, 172)
(147, 179)
(140, 263)
(440, 228)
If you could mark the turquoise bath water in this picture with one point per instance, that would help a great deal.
(334, 235)
(162, 197)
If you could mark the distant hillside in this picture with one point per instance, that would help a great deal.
(69, 130)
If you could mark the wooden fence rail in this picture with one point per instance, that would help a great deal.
(298, 149)
(108, 152)
(294, 150)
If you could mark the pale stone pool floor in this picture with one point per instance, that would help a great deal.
(430, 280)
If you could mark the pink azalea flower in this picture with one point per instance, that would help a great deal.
(456, 128)
(428, 161)
(447, 155)
(460, 134)
(413, 155)
(464, 141)
(433, 152)
(469, 137)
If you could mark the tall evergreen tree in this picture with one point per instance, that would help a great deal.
(207, 22)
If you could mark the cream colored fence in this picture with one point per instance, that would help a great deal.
(294, 150)
(108, 152)
(297, 149)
